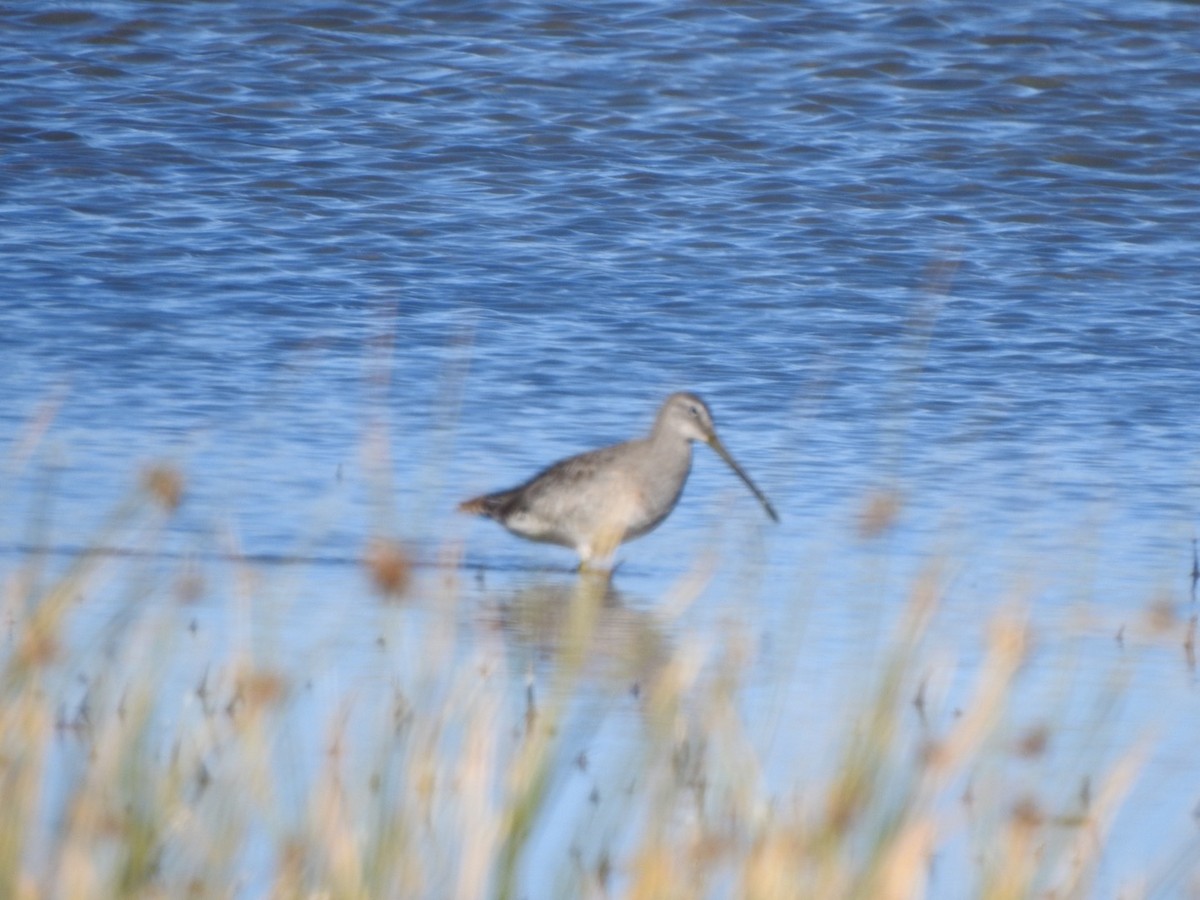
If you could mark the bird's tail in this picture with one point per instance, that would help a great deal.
(487, 505)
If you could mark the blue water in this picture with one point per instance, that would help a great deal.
(348, 264)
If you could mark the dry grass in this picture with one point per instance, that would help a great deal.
(126, 773)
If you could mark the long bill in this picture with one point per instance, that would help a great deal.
(724, 454)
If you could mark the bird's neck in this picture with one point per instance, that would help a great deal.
(666, 441)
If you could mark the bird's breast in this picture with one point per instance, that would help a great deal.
(656, 488)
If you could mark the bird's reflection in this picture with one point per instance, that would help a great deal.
(583, 621)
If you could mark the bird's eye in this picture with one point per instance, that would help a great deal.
(694, 411)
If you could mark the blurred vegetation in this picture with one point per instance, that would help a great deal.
(122, 777)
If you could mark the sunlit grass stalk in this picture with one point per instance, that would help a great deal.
(38, 619)
(531, 770)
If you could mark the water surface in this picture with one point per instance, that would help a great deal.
(347, 264)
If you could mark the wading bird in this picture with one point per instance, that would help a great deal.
(596, 501)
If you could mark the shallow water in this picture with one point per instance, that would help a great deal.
(348, 264)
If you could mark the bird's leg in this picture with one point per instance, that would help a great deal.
(600, 550)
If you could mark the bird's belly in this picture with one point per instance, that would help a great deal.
(646, 518)
(623, 517)
(644, 510)
(531, 526)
